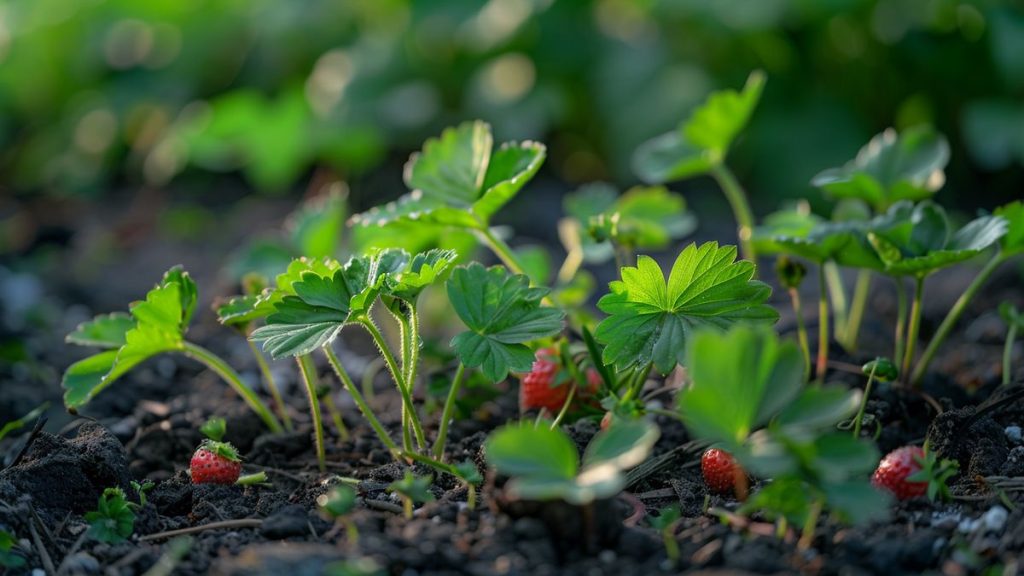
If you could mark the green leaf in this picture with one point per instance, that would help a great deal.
(1011, 315)
(315, 229)
(624, 444)
(310, 319)
(415, 207)
(857, 501)
(520, 450)
(338, 502)
(187, 295)
(424, 269)
(651, 320)
(13, 425)
(702, 141)
(890, 168)
(1013, 241)
(103, 331)
(452, 168)
(240, 311)
(740, 380)
(839, 457)
(113, 520)
(8, 558)
(819, 408)
(511, 167)
(502, 312)
(783, 498)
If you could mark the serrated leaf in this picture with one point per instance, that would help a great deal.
(187, 294)
(510, 168)
(452, 168)
(651, 321)
(423, 269)
(502, 312)
(103, 331)
(520, 450)
(740, 380)
(415, 207)
(240, 311)
(890, 168)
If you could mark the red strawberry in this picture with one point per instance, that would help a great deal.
(536, 390)
(215, 463)
(894, 469)
(722, 474)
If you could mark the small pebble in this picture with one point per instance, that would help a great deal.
(607, 556)
(1013, 434)
(995, 519)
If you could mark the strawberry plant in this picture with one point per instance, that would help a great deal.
(9, 557)
(913, 471)
(154, 326)
(700, 145)
(412, 489)
(881, 369)
(114, 518)
(336, 506)
(665, 523)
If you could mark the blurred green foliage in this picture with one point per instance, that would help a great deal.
(99, 93)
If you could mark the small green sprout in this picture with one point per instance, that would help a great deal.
(113, 520)
(937, 474)
(878, 369)
(412, 489)
(9, 557)
(1015, 321)
(141, 488)
(337, 505)
(214, 428)
(665, 523)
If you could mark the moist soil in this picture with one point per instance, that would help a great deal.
(146, 428)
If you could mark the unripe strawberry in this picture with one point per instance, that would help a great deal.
(215, 463)
(896, 467)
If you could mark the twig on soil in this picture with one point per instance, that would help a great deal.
(43, 554)
(226, 524)
(28, 442)
(657, 494)
(279, 472)
(176, 550)
(384, 506)
(654, 465)
(71, 552)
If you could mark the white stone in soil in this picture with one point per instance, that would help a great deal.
(1013, 434)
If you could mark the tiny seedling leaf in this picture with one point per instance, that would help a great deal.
(651, 320)
(103, 331)
(113, 520)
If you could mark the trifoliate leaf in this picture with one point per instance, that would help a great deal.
(651, 321)
(113, 520)
(703, 140)
(103, 331)
(916, 240)
(740, 380)
(890, 168)
(502, 313)
(459, 180)
(422, 270)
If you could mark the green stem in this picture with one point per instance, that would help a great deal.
(268, 377)
(414, 348)
(668, 536)
(740, 207)
(396, 374)
(1011, 335)
(403, 330)
(636, 382)
(837, 294)
(565, 405)
(819, 372)
(864, 401)
(369, 373)
(407, 507)
(371, 418)
(339, 424)
(860, 300)
(251, 479)
(807, 537)
(309, 378)
(801, 331)
(228, 374)
(502, 250)
(915, 324)
(901, 320)
(954, 314)
(446, 414)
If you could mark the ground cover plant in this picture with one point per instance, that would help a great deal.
(488, 412)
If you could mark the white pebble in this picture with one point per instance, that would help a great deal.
(1013, 434)
(995, 519)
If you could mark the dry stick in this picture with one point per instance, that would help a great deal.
(43, 554)
(71, 552)
(28, 442)
(227, 524)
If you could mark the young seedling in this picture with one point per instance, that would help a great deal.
(113, 520)
(9, 556)
(336, 505)
(141, 488)
(700, 145)
(791, 274)
(890, 168)
(460, 181)
(665, 523)
(155, 326)
(1015, 322)
(1010, 246)
(412, 489)
(215, 428)
(881, 369)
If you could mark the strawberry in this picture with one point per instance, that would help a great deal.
(547, 386)
(215, 463)
(895, 469)
(722, 474)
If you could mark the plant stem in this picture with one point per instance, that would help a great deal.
(339, 424)
(403, 331)
(915, 324)
(837, 294)
(668, 536)
(500, 249)
(407, 507)
(446, 414)
(860, 299)
(268, 377)
(810, 525)
(309, 378)
(228, 374)
(740, 207)
(954, 314)
(801, 331)
(1011, 335)
(396, 374)
(371, 418)
(251, 479)
(565, 405)
(864, 401)
(901, 321)
(822, 366)
(414, 348)
(369, 373)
